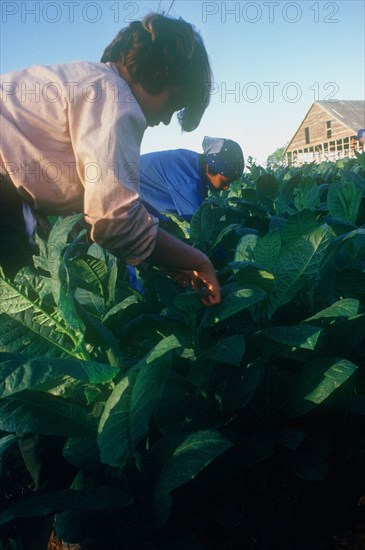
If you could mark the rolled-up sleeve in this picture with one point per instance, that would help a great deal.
(106, 132)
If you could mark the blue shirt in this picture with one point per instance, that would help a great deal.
(172, 181)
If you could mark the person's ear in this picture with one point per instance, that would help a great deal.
(207, 169)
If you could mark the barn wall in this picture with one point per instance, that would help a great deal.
(328, 138)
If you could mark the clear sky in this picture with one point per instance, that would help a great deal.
(270, 59)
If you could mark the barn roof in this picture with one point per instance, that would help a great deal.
(350, 113)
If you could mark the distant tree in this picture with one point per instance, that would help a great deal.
(276, 158)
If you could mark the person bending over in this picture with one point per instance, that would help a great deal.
(177, 180)
(73, 145)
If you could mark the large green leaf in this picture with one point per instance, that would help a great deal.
(180, 408)
(43, 413)
(188, 302)
(299, 225)
(125, 418)
(313, 383)
(18, 373)
(14, 337)
(102, 336)
(268, 186)
(228, 350)
(343, 308)
(267, 249)
(344, 198)
(48, 329)
(237, 389)
(189, 458)
(121, 306)
(245, 248)
(300, 262)
(90, 302)
(111, 262)
(307, 195)
(90, 273)
(297, 336)
(202, 225)
(52, 259)
(66, 304)
(234, 299)
(228, 234)
(354, 243)
(252, 274)
(6, 442)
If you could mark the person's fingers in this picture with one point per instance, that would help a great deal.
(204, 282)
(208, 287)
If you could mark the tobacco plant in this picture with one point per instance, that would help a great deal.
(165, 404)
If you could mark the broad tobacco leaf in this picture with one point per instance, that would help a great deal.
(234, 299)
(307, 195)
(185, 461)
(300, 262)
(267, 250)
(302, 336)
(124, 421)
(37, 412)
(18, 372)
(45, 333)
(202, 225)
(228, 350)
(299, 225)
(90, 273)
(347, 307)
(52, 259)
(245, 248)
(252, 274)
(314, 382)
(344, 198)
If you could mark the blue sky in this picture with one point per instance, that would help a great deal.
(270, 59)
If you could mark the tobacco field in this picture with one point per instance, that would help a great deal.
(239, 426)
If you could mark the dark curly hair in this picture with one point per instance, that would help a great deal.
(160, 51)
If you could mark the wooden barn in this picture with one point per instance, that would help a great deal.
(328, 132)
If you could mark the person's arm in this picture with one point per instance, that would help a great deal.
(183, 260)
(119, 222)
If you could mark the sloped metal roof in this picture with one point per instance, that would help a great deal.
(350, 113)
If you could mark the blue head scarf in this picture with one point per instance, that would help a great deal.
(223, 156)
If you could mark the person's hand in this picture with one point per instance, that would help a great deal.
(187, 265)
(203, 281)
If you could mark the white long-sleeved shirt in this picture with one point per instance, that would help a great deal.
(70, 142)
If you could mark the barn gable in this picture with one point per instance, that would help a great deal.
(327, 132)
